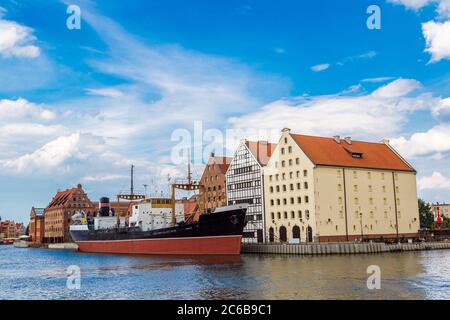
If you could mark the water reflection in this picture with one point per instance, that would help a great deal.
(41, 274)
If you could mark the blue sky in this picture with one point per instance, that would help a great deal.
(82, 105)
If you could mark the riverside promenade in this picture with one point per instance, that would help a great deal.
(340, 248)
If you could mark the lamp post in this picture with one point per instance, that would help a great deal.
(362, 235)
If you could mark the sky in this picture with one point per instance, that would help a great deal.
(140, 82)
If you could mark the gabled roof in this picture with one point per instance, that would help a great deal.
(222, 162)
(357, 154)
(262, 150)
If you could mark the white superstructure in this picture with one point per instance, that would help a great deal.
(155, 213)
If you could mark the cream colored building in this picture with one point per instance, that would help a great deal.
(331, 189)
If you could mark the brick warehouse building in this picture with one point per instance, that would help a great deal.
(60, 210)
(213, 194)
(37, 225)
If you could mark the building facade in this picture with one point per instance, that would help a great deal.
(244, 184)
(8, 229)
(37, 225)
(444, 210)
(60, 210)
(213, 192)
(332, 189)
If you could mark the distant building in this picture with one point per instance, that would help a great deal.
(244, 184)
(60, 210)
(8, 228)
(331, 189)
(191, 208)
(21, 230)
(37, 225)
(444, 209)
(213, 193)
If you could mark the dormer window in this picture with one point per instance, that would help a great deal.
(353, 153)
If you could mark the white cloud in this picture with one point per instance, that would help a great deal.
(106, 92)
(320, 67)
(442, 109)
(437, 37)
(21, 108)
(435, 140)
(435, 181)
(59, 154)
(103, 178)
(413, 4)
(16, 40)
(397, 88)
(378, 79)
(359, 116)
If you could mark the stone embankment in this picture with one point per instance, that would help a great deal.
(341, 248)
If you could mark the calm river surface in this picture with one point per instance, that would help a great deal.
(41, 274)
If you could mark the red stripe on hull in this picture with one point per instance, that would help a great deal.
(228, 245)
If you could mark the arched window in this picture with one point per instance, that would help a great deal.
(296, 232)
(283, 234)
(271, 235)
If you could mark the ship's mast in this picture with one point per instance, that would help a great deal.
(189, 186)
(132, 174)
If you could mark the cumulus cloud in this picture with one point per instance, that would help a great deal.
(353, 115)
(435, 181)
(21, 108)
(397, 88)
(435, 140)
(59, 154)
(320, 67)
(437, 37)
(16, 40)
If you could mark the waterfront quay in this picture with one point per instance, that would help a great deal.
(42, 274)
(340, 248)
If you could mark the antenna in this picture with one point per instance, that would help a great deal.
(189, 177)
(145, 188)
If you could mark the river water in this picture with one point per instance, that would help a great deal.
(42, 274)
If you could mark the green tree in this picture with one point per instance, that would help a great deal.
(425, 215)
(445, 222)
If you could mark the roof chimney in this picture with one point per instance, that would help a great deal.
(386, 141)
(348, 140)
(212, 154)
(337, 139)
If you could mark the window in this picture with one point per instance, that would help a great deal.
(355, 175)
(278, 202)
(299, 200)
(292, 186)
(290, 149)
(278, 188)
(272, 202)
(282, 151)
(290, 162)
(305, 185)
(272, 215)
(339, 187)
(369, 175)
(278, 215)
(292, 201)
(370, 188)
(306, 199)
(298, 174)
(297, 160)
(384, 188)
(305, 173)
(284, 187)
(356, 201)
(285, 215)
(371, 201)
(292, 215)
(307, 214)
(340, 200)
(285, 201)
(298, 186)
(271, 189)
(385, 201)
(299, 214)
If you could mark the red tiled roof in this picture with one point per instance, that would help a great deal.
(262, 150)
(326, 151)
(61, 198)
(222, 162)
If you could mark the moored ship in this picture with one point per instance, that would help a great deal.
(157, 226)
